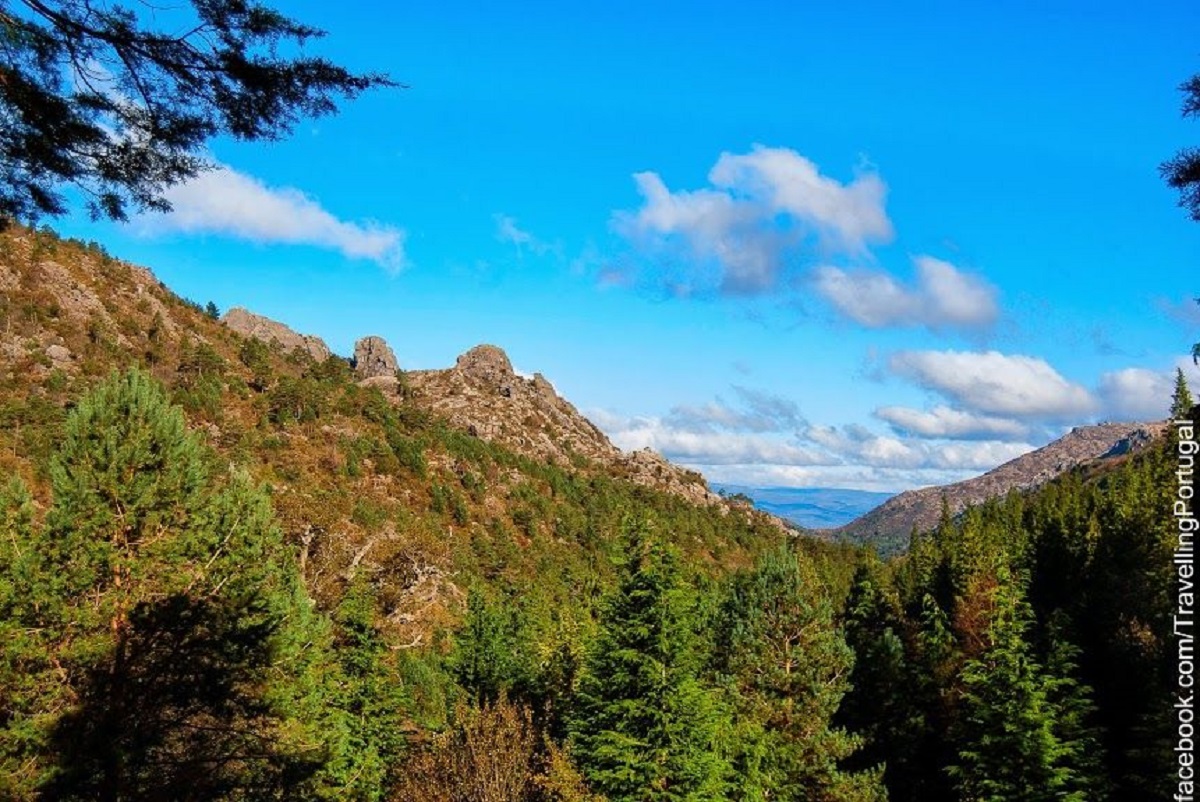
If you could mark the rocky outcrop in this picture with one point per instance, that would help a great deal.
(647, 467)
(248, 324)
(484, 396)
(374, 358)
(892, 522)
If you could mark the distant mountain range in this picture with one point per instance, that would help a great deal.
(1093, 448)
(810, 507)
(886, 520)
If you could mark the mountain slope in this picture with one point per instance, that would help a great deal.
(888, 526)
(428, 484)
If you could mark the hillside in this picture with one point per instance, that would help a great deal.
(234, 565)
(889, 525)
(428, 480)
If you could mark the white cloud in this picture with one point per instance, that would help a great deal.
(225, 201)
(1144, 394)
(846, 215)
(820, 456)
(508, 231)
(734, 235)
(1136, 394)
(1000, 384)
(849, 477)
(946, 422)
(758, 412)
(942, 297)
(707, 447)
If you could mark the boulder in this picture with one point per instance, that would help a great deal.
(488, 364)
(59, 355)
(374, 357)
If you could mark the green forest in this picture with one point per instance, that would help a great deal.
(169, 631)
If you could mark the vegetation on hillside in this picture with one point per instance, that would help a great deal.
(229, 572)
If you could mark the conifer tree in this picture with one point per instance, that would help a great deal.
(24, 690)
(1009, 750)
(644, 728)
(178, 656)
(373, 698)
(1083, 755)
(882, 703)
(1181, 398)
(789, 665)
(486, 661)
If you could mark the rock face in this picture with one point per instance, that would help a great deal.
(889, 524)
(373, 358)
(248, 324)
(486, 364)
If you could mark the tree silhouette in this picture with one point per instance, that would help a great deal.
(118, 100)
(1182, 171)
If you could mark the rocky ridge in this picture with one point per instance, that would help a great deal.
(54, 288)
(894, 520)
(483, 395)
(248, 324)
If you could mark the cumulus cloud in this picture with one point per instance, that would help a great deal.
(713, 447)
(942, 297)
(946, 422)
(733, 236)
(225, 201)
(847, 216)
(727, 448)
(995, 383)
(1137, 394)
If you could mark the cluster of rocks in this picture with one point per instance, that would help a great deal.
(373, 357)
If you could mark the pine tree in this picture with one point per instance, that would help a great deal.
(1181, 398)
(372, 697)
(24, 688)
(178, 656)
(486, 660)
(1083, 755)
(644, 729)
(788, 666)
(1008, 747)
(882, 703)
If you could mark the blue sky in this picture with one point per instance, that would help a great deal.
(877, 246)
